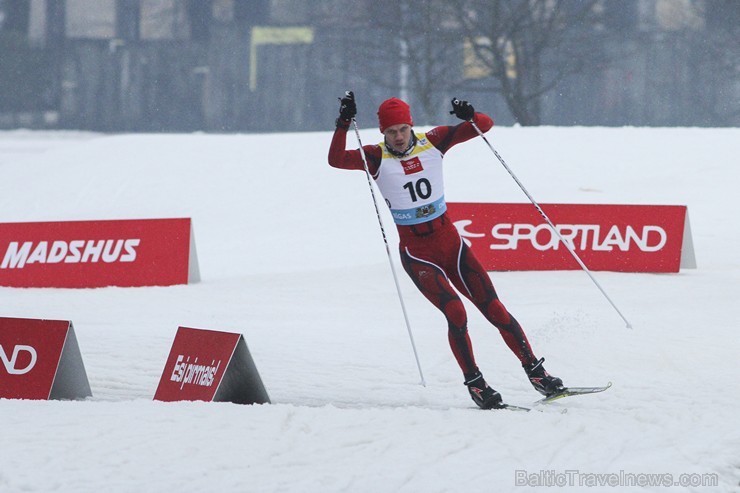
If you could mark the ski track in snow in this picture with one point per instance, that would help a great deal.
(291, 256)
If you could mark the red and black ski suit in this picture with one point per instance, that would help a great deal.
(435, 256)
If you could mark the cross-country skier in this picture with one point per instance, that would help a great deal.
(407, 167)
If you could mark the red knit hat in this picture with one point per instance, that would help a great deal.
(392, 112)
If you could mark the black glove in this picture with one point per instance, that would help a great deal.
(462, 109)
(348, 108)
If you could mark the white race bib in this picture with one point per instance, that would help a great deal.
(413, 185)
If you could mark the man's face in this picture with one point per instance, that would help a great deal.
(398, 136)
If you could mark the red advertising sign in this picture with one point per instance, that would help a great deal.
(40, 359)
(622, 238)
(207, 365)
(90, 254)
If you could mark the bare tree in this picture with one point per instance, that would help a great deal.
(410, 49)
(519, 49)
(431, 53)
(527, 47)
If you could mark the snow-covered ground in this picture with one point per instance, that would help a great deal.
(291, 256)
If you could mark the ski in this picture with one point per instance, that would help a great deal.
(571, 391)
(512, 407)
(564, 392)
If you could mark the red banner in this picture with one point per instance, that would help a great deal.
(622, 238)
(89, 254)
(207, 365)
(40, 359)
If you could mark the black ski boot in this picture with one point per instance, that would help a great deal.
(483, 395)
(543, 382)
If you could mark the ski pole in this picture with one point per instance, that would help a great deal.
(552, 226)
(388, 252)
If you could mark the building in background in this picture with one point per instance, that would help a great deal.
(279, 65)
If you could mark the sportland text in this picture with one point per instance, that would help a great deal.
(574, 478)
(579, 236)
